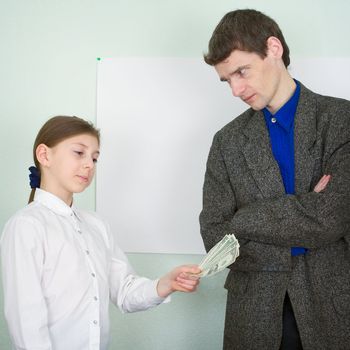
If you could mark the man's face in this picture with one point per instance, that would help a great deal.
(253, 79)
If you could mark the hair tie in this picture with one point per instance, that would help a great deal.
(34, 177)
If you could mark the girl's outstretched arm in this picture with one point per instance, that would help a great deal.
(179, 279)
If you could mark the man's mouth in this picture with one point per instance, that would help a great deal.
(248, 99)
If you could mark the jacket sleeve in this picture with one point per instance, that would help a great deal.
(219, 202)
(22, 259)
(309, 220)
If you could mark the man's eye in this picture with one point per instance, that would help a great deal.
(95, 160)
(242, 71)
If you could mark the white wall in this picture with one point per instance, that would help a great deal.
(48, 67)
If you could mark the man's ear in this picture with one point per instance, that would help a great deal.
(274, 47)
(42, 153)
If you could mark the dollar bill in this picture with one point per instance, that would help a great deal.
(223, 254)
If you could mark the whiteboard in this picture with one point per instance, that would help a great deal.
(157, 118)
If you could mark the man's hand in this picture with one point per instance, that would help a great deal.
(321, 185)
(179, 279)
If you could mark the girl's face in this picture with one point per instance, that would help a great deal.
(70, 166)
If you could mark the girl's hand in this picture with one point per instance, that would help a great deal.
(179, 279)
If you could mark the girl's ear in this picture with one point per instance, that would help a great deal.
(42, 153)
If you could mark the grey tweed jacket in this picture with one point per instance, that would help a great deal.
(244, 194)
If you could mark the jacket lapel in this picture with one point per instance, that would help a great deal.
(258, 153)
(304, 140)
(259, 157)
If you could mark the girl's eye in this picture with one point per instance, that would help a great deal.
(95, 160)
(79, 153)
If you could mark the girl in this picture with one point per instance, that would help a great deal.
(61, 265)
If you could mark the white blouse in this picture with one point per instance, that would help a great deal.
(60, 267)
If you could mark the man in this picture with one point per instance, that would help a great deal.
(278, 177)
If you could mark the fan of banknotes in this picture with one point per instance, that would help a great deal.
(223, 254)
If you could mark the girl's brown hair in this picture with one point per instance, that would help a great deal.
(58, 129)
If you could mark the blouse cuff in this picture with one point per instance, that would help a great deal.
(153, 294)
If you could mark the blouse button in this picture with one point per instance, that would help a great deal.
(273, 120)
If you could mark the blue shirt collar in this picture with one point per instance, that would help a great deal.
(285, 115)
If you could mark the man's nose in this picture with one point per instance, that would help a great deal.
(237, 88)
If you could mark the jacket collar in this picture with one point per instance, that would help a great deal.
(304, 139)
(258, 153)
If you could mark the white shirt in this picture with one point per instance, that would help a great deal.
(60, 267)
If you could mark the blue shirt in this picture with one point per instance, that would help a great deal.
(281, 130)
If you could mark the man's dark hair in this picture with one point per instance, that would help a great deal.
(245, 30)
